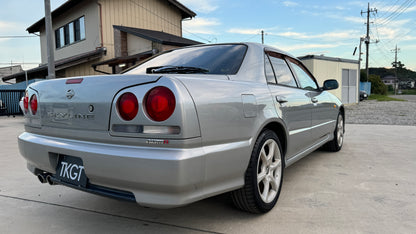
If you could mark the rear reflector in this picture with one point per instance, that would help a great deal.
(74, 81)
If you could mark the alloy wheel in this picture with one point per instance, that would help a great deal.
(269, 171)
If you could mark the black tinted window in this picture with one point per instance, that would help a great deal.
(217, 59)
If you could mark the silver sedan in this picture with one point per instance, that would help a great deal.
(182, 126)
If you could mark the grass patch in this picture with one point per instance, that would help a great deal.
(383, 98)
(409, 91)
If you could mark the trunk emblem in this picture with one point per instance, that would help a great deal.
(70, 93)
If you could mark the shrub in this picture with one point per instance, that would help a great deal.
(363, 76)
(390, 88)
(377, 86)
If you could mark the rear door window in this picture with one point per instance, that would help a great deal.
(271, 79)
(281, 71)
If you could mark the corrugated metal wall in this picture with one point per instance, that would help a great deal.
(10, 102)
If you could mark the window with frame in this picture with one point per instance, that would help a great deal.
(281, 70)
(269, 70)
(70, 33)
(305, 80)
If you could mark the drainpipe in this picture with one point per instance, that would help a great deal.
(101, 24)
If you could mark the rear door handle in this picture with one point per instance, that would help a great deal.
(281, 99)
(314, 100)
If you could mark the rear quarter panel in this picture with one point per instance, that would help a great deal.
(231, 115)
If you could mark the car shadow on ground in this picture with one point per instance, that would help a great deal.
(205, 214)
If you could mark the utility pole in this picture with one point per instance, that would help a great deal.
(367, 38)
(49, 39)
(359, 58)
(262, 36)
(396, 50)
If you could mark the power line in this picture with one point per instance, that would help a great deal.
(400, 10)
(393, 15)
(251, 37)
(388, 10)
(383, 54)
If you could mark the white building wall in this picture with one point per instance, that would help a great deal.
(326, 69)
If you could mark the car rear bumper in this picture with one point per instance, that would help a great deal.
(157, 177)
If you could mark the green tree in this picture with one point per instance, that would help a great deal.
(377, 86)
(390, 88)
(363, 75)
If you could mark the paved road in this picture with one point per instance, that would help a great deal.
(368, 187)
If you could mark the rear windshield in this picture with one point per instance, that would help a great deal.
(215, 59)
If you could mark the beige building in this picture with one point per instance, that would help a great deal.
(84, 34)
(7, 71)
(345, 71)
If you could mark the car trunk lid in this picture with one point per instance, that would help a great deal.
(82, 102)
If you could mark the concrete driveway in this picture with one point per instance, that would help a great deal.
(368, 187)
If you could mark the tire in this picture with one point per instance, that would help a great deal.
(336, 144)
(264, 176)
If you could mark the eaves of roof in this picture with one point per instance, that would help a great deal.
(185, 12)
(61, 64)
(157, 36)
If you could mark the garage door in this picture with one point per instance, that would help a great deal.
(349, 86)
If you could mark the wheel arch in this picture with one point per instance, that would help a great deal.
(280, 131)
(342, 111)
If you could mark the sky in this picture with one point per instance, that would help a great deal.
(300, 27)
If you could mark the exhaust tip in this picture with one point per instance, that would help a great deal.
(42, 178)
(49, 180)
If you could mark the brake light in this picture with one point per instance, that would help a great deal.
(34, 104)
(74, 81)
(26, 102)
(127, 106)
(160, 103)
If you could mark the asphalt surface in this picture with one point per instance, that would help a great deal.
(367, 187)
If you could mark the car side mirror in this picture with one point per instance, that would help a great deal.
(330, 84)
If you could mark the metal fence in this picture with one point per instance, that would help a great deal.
(366, 86)
(10, 102)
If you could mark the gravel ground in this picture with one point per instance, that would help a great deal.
(385, 113)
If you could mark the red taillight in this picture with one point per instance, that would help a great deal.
(34, 104)
(26, 103)
(127, 106)
(160, 103)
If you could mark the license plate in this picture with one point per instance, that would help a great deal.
(71, 170)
